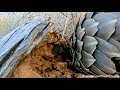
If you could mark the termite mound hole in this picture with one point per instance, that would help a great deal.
(47, 60)
(63, 49)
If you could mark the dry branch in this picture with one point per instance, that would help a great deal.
(19, 43)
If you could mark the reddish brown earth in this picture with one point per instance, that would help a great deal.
(42, 63)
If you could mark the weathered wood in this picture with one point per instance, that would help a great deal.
(18, 43)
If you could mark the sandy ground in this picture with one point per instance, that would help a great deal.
(42, 63)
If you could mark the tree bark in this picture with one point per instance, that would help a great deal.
(19, 43)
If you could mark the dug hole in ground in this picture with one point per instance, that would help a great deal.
(45, 61)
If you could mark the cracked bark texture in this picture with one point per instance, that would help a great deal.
(19, 43)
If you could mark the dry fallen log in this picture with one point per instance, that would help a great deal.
(19, 43)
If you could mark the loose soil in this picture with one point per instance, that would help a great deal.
(45, 61)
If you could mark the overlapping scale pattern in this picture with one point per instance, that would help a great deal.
(96, 42)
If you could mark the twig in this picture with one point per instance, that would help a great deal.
(65, 25)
